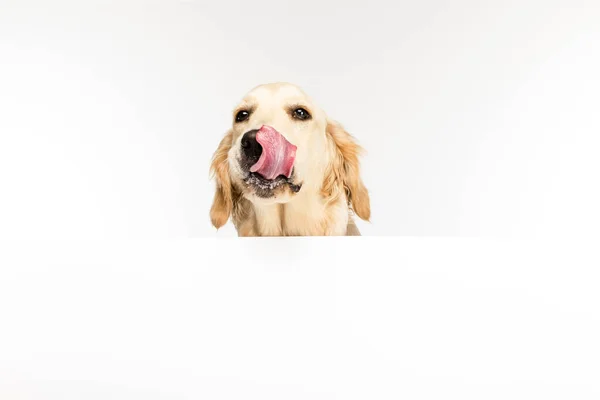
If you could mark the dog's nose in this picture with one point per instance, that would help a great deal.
(250, 146)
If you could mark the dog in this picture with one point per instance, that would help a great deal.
(284, 168)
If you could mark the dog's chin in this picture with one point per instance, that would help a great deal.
(279, 189)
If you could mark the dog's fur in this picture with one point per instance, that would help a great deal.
(326, 169)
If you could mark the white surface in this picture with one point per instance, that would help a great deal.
(299, 319)
(480, 118)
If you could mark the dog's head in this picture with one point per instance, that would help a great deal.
(279, 145)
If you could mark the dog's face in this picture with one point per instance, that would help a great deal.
(281, 145)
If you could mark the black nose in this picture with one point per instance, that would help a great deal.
(251, 148)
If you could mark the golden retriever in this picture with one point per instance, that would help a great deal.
(286, 169)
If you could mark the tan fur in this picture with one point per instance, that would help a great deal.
(344, 172)
(223, 202)
(328, 167)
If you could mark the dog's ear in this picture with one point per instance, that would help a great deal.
(344, 171)
(219, 169)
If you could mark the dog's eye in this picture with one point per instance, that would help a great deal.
(301, 114)
(242, 116)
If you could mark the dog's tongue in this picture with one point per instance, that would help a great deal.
(277, 156)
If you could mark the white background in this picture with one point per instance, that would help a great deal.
(479, 118)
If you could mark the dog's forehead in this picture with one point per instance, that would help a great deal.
(276, 93)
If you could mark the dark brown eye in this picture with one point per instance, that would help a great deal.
(242, 116)
(301, 114)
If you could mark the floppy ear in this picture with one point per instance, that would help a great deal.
(219, 168)
(344, 172)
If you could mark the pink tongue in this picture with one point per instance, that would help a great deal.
(277, 156)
